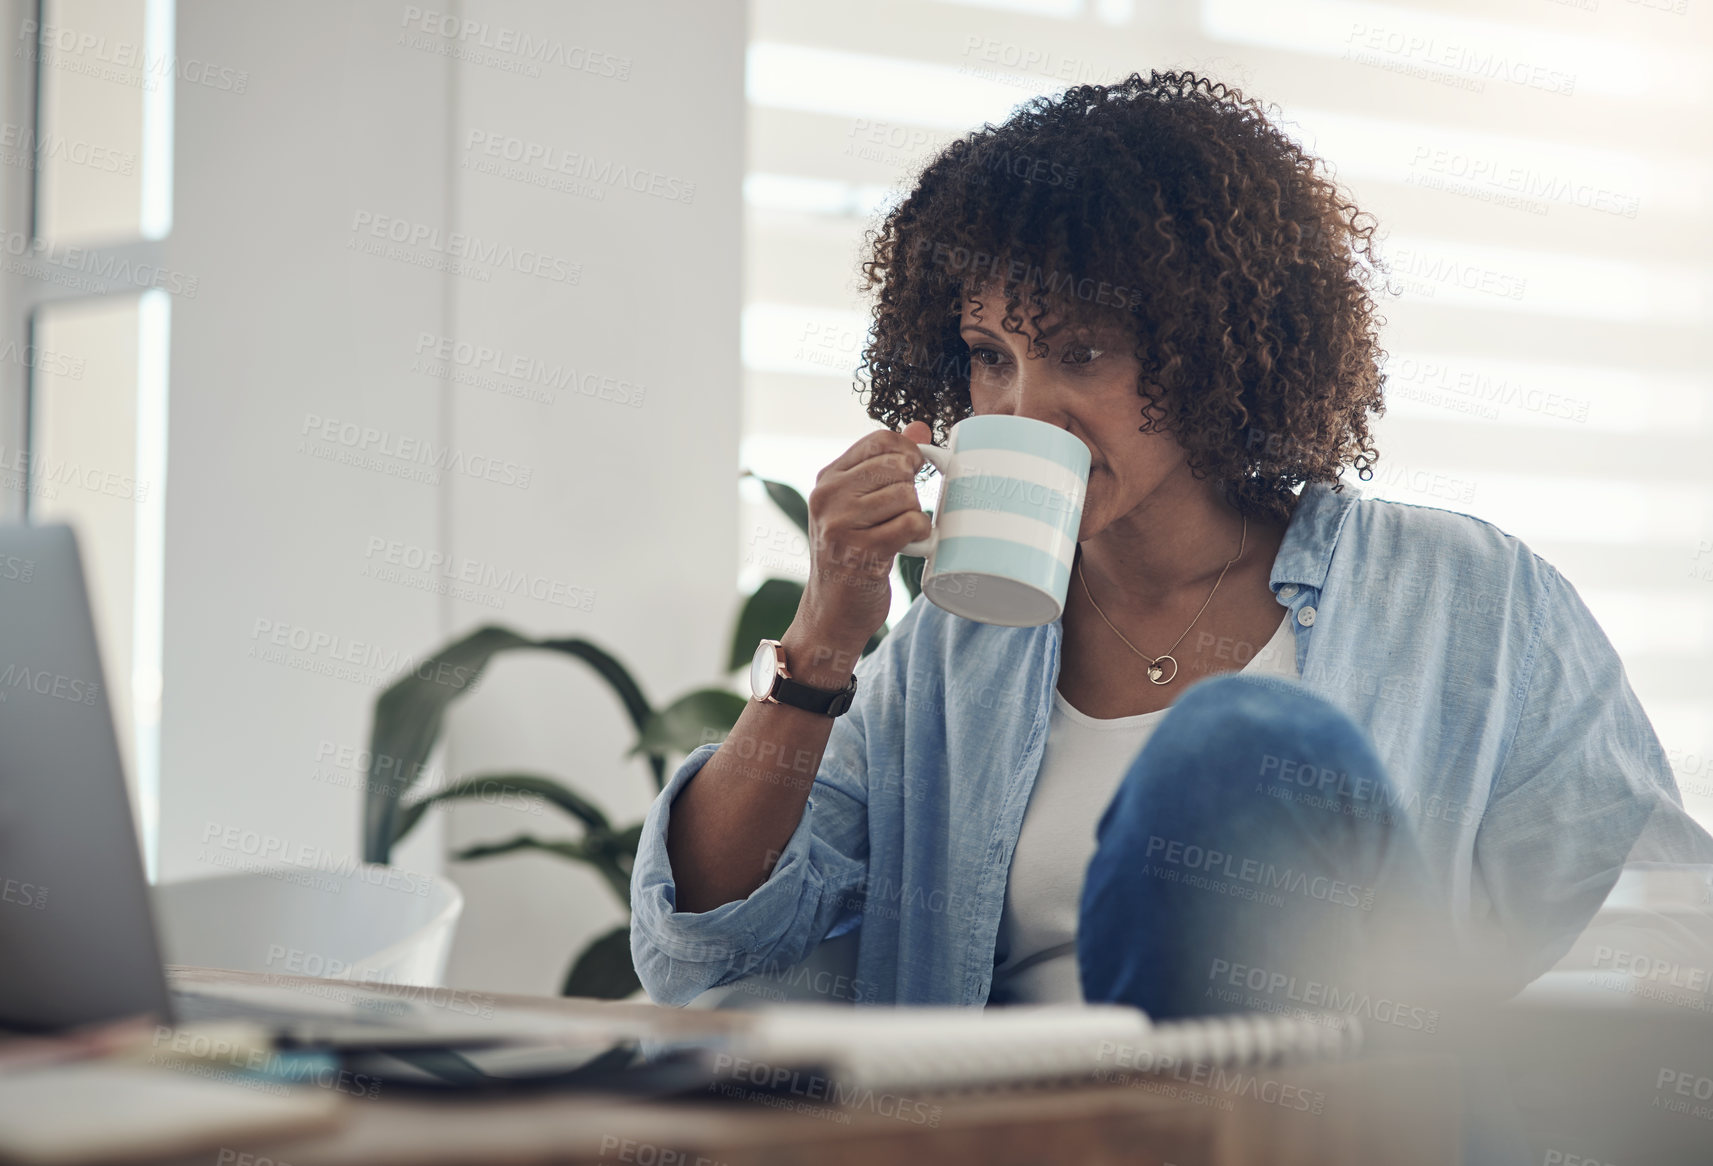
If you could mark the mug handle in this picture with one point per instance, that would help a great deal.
(942, 461)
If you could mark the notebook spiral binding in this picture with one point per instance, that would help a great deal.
(1251, 1038)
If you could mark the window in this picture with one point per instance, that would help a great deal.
(89, 144)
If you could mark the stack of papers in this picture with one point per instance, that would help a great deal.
(927, 1047)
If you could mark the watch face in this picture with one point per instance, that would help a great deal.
(763, 669)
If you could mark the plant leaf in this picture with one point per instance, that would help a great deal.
(686, 723)
(874, 640)
(500, 784)
(610, 670)
(790, 501)
(620, 680)
(575, 849)
(407, 721)
(410, 713)
(628, 839)
(620, 846)
(910, 569)
(594, 849)
(604, 970)
(765, 616)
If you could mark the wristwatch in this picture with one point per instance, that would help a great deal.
(769, 681)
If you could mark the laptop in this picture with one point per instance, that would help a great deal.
(78, 942)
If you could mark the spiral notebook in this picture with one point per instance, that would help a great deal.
(935, 1047)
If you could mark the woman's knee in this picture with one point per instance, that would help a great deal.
(1241, 752)
(1237, 705)
(1237, 728)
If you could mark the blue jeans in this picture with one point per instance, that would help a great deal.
(1254, 859)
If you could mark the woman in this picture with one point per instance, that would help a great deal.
(1338, 741)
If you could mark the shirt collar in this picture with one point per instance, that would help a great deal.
(1306, 551)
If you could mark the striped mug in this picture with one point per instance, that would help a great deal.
(1005, 531)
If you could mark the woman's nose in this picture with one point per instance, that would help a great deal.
(1031, 393)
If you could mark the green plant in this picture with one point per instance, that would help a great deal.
(411, 712)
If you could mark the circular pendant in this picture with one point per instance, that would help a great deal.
(1155, 672)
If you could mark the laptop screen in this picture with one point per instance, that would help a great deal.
(77, 940)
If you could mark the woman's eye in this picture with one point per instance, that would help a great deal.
(1081, 354)
(980, 355)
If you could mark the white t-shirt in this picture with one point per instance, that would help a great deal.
(1083, 761)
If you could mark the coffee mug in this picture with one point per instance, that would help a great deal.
(1005, 531)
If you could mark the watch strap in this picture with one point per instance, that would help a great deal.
(827, 702)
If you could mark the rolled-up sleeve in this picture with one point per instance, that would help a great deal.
(1583, 790)
(814, 889)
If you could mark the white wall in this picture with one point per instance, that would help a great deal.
(359, 110)
(287, 323)
(637, 503)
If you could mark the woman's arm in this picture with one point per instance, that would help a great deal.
(1583, 790)
(740, 862)
(730, 825)
(817, 875)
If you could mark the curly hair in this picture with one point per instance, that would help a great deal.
(1173, 208)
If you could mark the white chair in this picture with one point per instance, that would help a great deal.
(369, 924)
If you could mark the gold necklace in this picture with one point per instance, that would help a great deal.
(1155, 671)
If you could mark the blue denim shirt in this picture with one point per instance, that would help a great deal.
(1518, 754)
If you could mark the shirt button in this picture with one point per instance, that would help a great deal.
(1306, 617)
(1288, 590)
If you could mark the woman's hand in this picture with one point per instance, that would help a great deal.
(730, 825)
(862, 512)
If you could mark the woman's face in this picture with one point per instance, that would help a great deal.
(1086, 385)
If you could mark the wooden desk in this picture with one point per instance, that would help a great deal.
(1402, 1112)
